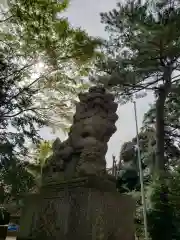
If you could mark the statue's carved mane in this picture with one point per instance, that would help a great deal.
(93, 125)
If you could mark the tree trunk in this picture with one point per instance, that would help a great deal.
(160, 133)
(163, 92)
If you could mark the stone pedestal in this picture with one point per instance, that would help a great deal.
(86, 208)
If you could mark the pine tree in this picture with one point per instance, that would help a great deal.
(142, 54)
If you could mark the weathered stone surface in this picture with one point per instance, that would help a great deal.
(86, 208)
(84, 150)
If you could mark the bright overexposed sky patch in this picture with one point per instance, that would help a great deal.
(85, 14)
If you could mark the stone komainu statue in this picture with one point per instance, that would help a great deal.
(84, 150)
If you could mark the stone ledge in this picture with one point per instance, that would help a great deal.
(107, 183)
(74, 212)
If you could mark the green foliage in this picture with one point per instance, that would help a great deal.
(19, 120)
(127, 181)
(128, 178)
(42, 32)
(129, 166)
(24, 176)
(164, 211)
(15, 182)
(40, 156)
(160, 216)
(55, 53)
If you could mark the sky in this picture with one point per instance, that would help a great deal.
(85, 14)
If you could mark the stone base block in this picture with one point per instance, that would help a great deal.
(83, 209)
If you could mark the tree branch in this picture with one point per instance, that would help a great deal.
(24, 110)
(5, 20)
(24, 89)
